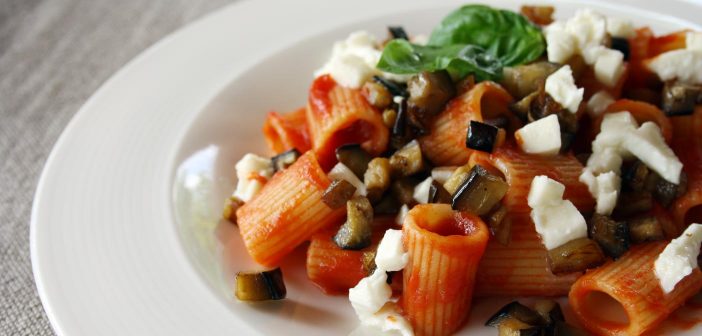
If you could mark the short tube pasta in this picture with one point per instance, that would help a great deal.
(687, 145)
(287, 211)
(444, 248)
(287, 131)
(632, 283)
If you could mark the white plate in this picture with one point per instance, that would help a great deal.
(125, 220)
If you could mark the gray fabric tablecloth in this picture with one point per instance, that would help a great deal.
(53, 56)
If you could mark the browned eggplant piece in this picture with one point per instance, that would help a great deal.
(550, 310)
(377, 178)
(481, 136)
(521, 107)
(612, 236)
(480, 192)
(389, 117)
(522, 80)
(645, 229)
(354, 157)
(338, 193)
(634, 177)
(356, 232)
(500, 227)
(403, 190)
(576, 255)
(388, 205)
(632, 202)
(513, 327)
(516, 311)
(376, 94)
(231, 205)
(397, 32)
(368, 262)
(540, 15)
(666, 192)
(408, 160)
(428, 94)
(400, 134)
(457, 178)
(284, 159)
(394, 88)
(261, 286)
(680, 98)
(621, 44)
(438, 194)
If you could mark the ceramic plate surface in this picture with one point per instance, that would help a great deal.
(125, 231)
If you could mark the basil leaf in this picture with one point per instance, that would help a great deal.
(402, 57)
(504, 34)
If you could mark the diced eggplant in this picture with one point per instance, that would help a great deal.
(500, 227)
(576, 255)
(354, 157)
(518, 311)
(395, 89)
(514, 327)
(540, 15)
(284, 159)
(666, 192)
(398, 32)
(438, 194)
(481, 136)
(377, 178)
(368, 262)
(522, 80)
(376, 94)
(560, 328)
(645, 229)
(457, 178)
(680, 98)
(260, 286)
(521, 107)
(403, 190)
(388, 205)
(389, 117)
(500, 121)
(408, 160)
(356, 232)
(400, 132)
(632, 203)
(231, 205)
(621, 44)
(338, 193)
(428, 94)
(480, 192)
(634, 177)
(612, 236)
(550, 310)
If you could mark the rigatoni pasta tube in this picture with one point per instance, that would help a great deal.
(287, 131)
(446, 143)
(338, 115)
(444, 248)
(631, 284)
(287, 211)
(687, 145)
(521, 268)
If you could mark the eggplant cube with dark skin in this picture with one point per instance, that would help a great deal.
(612, 236)
(500, 226)
(645, 229)
(438, 194)
(621, 44)
(576, 255)
(680, 98)
(408, 160)
(377, 178)
(428, 94)
(356, 232)
(397, 32)
(261, 286)
(231, 205)
(480, 192)
(338, 193)
(481, 136)
(517, 311)
(354, 157)
(284, 159)
(665, 192)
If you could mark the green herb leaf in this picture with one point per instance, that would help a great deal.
(402, 57)
(506, 35)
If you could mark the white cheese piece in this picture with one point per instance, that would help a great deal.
(618, 27)
(679, 258)
(370, 294)
(391, 256)
(648, 145)
(693, 41)
(613, 130)
(398, 99)
(341, 172)
(559, 224)
(591, 54)
(560, 45)
(608, 185)
(545, 192)
(542, 136)
(400, 218)
(683, 64)
(421, 191)
(560, 85)
(248, 185)
(588, 28)
(386, 322)
(442, 174)
(589, 179)
(598, 103)
(604, 161)
(609, 67)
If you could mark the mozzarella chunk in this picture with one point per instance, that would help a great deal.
(442, 174)
(609, 67)
(558, 223)
(604, 161)
(545, 192)
(683, 64)
(647, 144)
(400, 219)
(248, 171)
(560, 45)
(607, 192)
(679, 258)
(391, 256)
(560, 85)
(341, 172)
(421, 191)
(542, 136)
(613, 130)
(370, 294)
(693, 41)
(598, 103)
(386, 322)
(588, 28)
(618, 27)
